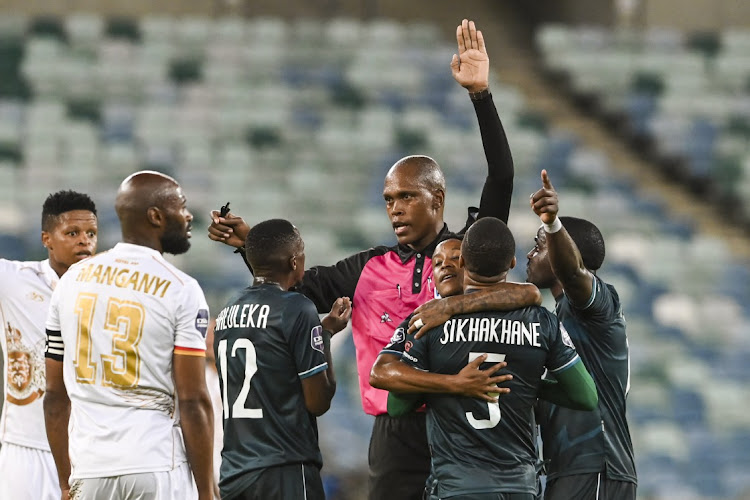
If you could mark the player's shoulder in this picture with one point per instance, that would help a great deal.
(8, 265)
(297, 300)
(181, 277)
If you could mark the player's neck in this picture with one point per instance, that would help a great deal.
(557, 290)
(475, 282)
(268, 280)
(58, 267)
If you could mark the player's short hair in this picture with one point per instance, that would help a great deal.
(488, 247)
(270, 240)
(451, 236)
(588, 239)
(64, 201)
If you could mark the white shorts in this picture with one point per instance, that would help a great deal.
(27, 474)
(176, 484)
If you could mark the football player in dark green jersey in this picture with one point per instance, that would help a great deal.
(275, 371)
(589, 454)
(487, 450)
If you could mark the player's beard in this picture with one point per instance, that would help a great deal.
(175, 239)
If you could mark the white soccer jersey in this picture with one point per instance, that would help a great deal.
(121, 315)
(25, 291)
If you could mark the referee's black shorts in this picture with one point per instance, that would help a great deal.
(593, 486)
(399, 457)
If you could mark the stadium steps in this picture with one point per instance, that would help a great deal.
(561, 114)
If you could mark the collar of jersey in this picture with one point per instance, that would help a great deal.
(405, 252)
(136, 248)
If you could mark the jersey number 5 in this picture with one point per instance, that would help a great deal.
(494, 408)
(251, 366)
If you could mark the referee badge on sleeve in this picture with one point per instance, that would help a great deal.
(316, 338)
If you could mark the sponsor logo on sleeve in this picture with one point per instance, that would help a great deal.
(201, 322)
(410, 357)
(566, 337)
(316, 338)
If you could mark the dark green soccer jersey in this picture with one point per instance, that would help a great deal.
(576, 442)
(266, 341)
(480, 447)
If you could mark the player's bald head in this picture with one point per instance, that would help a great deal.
(420, 167)
(142, 190)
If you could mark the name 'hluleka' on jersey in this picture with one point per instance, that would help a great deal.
(499, 330)
(243, 316)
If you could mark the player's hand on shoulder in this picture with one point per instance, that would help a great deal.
(429, 315)
(230, 229)
(337, 319)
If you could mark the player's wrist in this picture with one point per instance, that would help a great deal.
(554, 227)
(327, 334)
(479, 93)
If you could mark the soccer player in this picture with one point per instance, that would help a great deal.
(127, 410)
(390, 374)
(274, 361)
(69, 233)
(388, 283)
(484, 450)
(595, 460)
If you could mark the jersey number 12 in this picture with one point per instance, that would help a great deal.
(251, 366)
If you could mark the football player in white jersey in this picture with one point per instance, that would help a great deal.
(127, 411)
(69, 232)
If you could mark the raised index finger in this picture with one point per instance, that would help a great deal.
(545, 180)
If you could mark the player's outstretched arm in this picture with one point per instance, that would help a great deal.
(56, 417)
(471, 69)
(501, 297)
(389, 373)
(230, 229)
(574, 388)
(319, 389)
(564, 257)
(196, 419)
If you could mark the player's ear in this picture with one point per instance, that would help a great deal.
(513, 263)
(155, 216)
(293, 262)
(461, 261)
(438, 199)
(45, 239)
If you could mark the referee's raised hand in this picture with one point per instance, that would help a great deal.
(471, 66)
(230, 229)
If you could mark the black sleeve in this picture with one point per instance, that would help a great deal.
(498, 187)
(324, 284)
